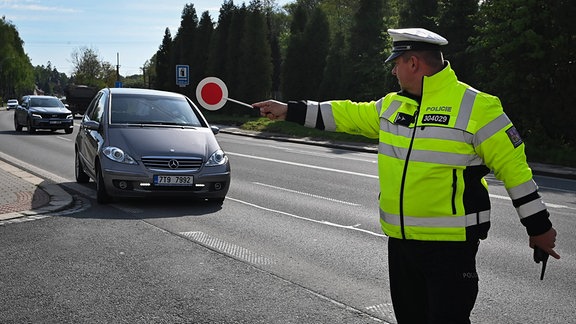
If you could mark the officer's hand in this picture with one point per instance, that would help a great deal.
(274, 110)
(546, 242)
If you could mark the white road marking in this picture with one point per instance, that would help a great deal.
(306, 194)
(304, 165)
(353, 227)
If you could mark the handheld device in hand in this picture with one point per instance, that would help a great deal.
(540, 255)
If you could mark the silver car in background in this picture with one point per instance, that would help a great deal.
(140, 142)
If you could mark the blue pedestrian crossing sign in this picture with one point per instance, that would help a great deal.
(182, 75)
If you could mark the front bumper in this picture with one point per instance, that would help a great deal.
(52, 123)
(206, 185)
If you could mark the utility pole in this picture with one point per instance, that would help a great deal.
(118, 67)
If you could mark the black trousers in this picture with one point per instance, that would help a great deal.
(432, 282)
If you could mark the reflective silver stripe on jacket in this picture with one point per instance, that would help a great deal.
(465, 110)
(440, 221)
(530, 208)
(327, 116)
(311, 114)
(490, 129)
(392, 108)
(325, 113)
(443, 158)
(522, 190)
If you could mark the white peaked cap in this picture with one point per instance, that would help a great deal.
(414, 39)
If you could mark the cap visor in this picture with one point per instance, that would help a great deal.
(393, 56)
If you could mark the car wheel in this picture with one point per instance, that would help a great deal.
(31, 129)
(17, 126)
(102, 196)
(69, 130)
(81, 176)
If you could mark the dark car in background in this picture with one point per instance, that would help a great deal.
(140, 142)
(43, 112)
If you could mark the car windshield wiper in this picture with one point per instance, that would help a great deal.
(162, 123)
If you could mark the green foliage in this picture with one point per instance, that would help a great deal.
(520, 50)
(16, 72)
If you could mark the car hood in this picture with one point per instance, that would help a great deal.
(50, 110)
(163, 141)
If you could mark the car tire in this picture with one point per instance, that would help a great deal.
(81, 176)
(31, 129)
(17, 126)
(69, 130)
(102, 196)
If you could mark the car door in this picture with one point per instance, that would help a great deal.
(90, 139)
(21, 111)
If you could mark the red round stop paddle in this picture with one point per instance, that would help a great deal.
(212, 94)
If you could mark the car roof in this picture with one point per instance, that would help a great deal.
(141, 91)
(40, 96)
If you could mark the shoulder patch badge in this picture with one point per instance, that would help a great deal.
(514, 136)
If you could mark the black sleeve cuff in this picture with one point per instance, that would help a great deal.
(297, 112)
(538, 223)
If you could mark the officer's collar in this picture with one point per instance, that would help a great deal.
(410, 96)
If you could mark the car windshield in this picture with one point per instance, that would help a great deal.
(46, 102)
(150, 109)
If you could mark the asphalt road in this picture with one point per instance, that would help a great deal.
(296, 241)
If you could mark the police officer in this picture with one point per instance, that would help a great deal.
(438, 138)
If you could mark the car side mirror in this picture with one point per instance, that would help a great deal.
(91, 125)
(215, 129)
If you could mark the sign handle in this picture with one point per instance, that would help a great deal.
(240, 103)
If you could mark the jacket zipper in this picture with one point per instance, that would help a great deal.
(404, 175)
(454, 187)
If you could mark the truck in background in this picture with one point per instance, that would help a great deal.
(78, 97)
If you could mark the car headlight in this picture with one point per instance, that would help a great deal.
(116, 154)
(36, 116)
(217, 158)
(69, 116)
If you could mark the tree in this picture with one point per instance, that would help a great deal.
(315, 43)
(418, 13)
(255, 66)
(365, 70)
(292, 85)
(90, 70)
(164, 66)
(456, 21)
(524, 53)
(183, 45)
(201, 49)
(49, 80)
(217, 61)
(16, 72)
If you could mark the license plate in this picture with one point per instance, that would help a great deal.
(55, 122)
(162, 180)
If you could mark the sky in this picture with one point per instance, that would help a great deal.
(124, 32)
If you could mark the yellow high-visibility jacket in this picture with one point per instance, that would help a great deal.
(433, 154)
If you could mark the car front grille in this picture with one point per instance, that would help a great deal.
(53, 116)
(172, 163)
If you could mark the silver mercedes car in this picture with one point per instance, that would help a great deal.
(141, 142)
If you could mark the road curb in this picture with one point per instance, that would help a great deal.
(59, 199)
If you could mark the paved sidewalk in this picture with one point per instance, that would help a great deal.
(24, 194)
